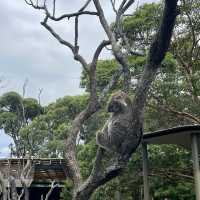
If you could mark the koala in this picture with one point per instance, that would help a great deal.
(117, 135)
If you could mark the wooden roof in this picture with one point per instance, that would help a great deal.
(43, 170)
(180, 135)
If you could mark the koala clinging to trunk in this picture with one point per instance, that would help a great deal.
(117, 135)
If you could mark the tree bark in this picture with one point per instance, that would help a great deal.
(13, 188)
(4, 190)
(100, 175)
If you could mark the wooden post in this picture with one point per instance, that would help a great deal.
(196, 168)
(145, 171)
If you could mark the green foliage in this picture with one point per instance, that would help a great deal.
(141, 26)
(11, 102)
(34, 135)
(8, 122)
(32, 108)
(45, 135)
(67, 190)
(86, 155)
(105, 69)
(16, 113)
(176, 191)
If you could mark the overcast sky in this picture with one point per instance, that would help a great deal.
(28, 51)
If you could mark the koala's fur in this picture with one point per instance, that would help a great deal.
(117, 135)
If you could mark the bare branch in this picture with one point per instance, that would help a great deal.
(76, 47)
(120, 57)
(36, 6)
(39, 95)
(54, 7)
(127, 5)
(122, 5)
(68, 16)
(175, 112)
(92, 74)
(21, 194)
(3, 185)
(85, 5)
(77, 57)
(113, 5)
(25, 86)
(100, 175)
(53, 186)
(29, 3)
(26, 172)
(158, 49)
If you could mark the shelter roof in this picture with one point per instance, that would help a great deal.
(180, 135)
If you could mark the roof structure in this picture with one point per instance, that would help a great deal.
(43, 171)
(180, 135)
(186, 136)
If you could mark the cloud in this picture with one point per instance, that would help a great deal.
(4, 152)
(4, 143)
(27, 50)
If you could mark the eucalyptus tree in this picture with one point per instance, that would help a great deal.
(17, 112)
(104, 171)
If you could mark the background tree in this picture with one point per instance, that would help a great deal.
(17, 112)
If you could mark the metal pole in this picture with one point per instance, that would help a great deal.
(196, 165)
(145, 171)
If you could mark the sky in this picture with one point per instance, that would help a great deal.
(29, 52)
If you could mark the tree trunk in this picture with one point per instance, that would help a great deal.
(118, 195)
(13, 189)
(4, 190)
(26, 193)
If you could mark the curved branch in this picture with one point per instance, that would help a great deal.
(53, 186)
(68, 16)
(94, 106)
(92, 71)
(177, 113)
(77, 56)
(100, 174)
(120, 57)
(158, 49)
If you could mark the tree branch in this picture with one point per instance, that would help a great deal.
(156, 54)
(175, 112)
(53, 186)
(120, 57)
(158, 49)
(72, 165)
(3, 185)
(101, 175)
(77, 56)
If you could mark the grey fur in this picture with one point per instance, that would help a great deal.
(117, 135)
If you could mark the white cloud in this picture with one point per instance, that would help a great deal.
(4, 152)
(4, 143)
(27, 50)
